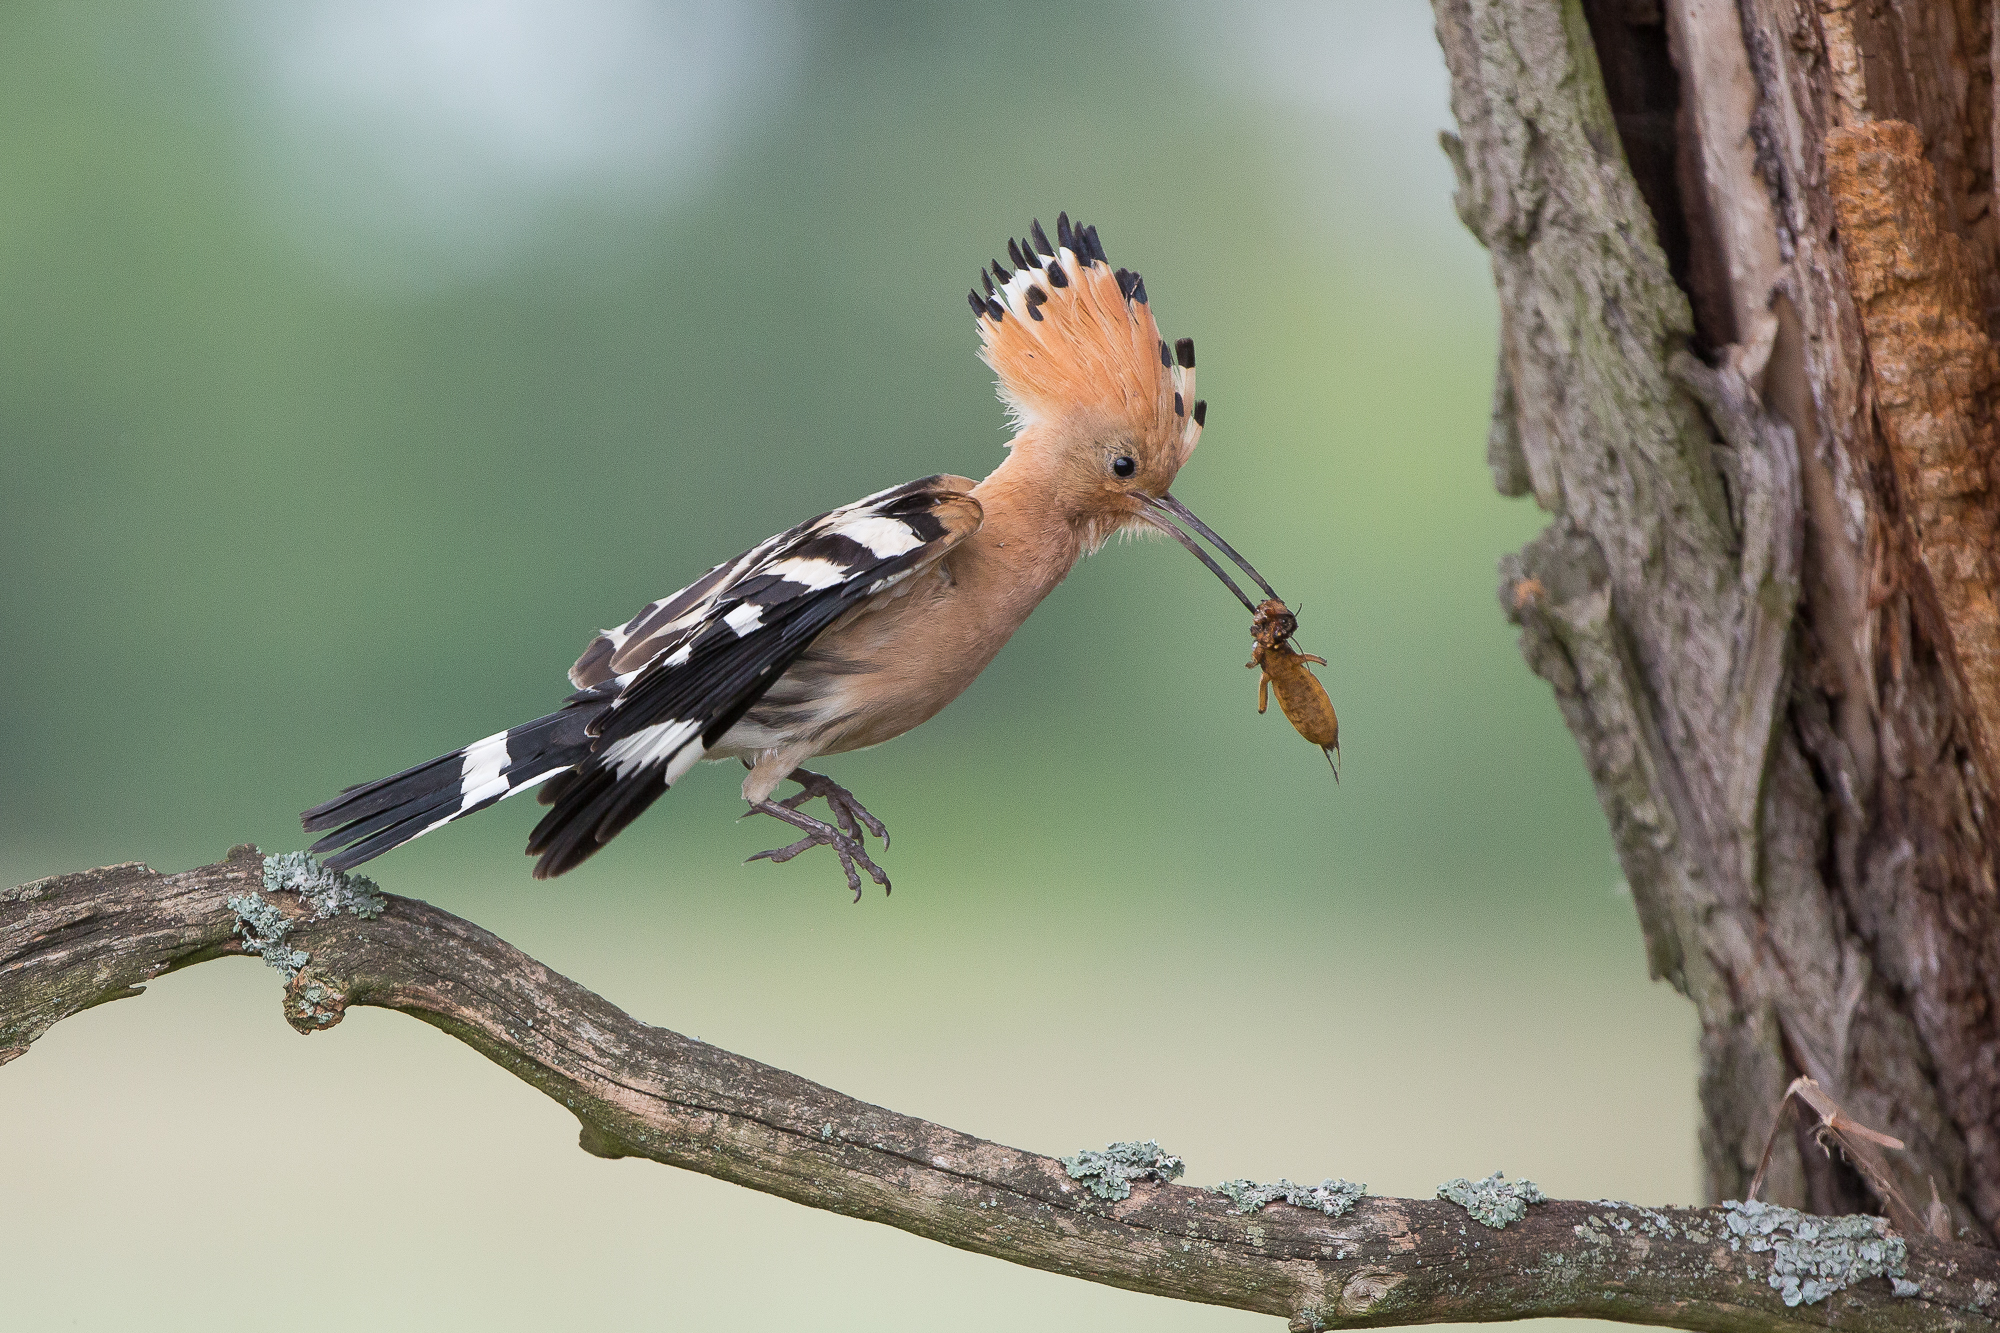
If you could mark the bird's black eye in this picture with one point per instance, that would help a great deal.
(1123, 466)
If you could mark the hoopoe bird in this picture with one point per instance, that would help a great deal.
(857, 625)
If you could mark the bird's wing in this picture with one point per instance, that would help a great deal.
(686, 668)
(676, 619)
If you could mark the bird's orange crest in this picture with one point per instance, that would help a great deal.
(1067, 333)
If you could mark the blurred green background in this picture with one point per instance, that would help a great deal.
(359, 360)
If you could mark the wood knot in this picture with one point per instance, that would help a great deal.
(1367, 1287)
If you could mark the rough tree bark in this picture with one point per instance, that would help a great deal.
(1749, 276)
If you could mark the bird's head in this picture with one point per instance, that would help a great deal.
(1103, 406)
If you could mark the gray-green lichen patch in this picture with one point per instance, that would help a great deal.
(1813, 1257)
(1648, 1222)
(1332, 1197)
(263, 928)
(1493, 1201)
(1109, 1174)
(312, 1003)
(327, 892)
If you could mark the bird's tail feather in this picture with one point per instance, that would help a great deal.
(592, 804)
(374, 817)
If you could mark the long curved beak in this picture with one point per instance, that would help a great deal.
(1168, 514)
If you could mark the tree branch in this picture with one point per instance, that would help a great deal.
(75, 941)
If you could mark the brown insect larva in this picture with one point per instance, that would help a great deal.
(1300, 694)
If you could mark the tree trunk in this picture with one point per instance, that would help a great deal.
(1746, 259)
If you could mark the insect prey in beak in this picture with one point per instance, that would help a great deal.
(1300, 695)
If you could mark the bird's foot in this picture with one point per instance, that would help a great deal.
(847, 810)
(819, 833)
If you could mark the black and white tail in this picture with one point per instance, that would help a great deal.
(374, 817)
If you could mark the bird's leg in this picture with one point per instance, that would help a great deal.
(819, 833)
(846, 809)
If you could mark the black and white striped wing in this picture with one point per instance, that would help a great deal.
(655, 693)
(686, 669)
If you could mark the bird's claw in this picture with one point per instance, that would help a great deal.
(846, 842)
(847, 810)
(779, 855)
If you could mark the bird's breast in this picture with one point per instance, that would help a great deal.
(892, 663)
